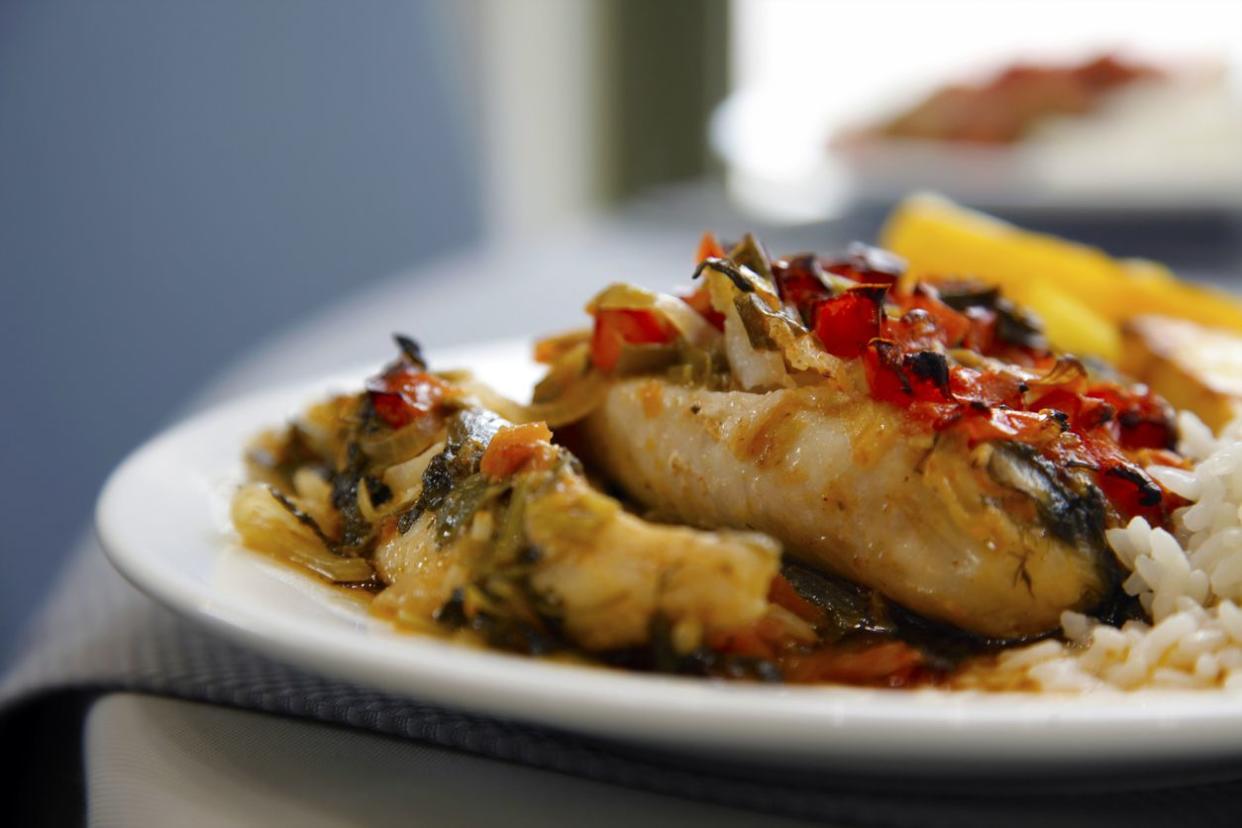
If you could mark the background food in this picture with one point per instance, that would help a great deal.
(1091, 304)
(1192, 366)
(1006, 107)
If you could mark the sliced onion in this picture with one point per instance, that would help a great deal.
(753, 368)
(801, 351)
(693, 328)
(482, 395)
(563, 374)
(268, 527)
(398, 446)
(620, 296)
(577, 400)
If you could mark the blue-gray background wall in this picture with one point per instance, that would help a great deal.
(177, 179)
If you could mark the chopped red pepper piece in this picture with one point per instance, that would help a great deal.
(761, 639)
(953, 326)
(701, 301)
(709, 248)
(847, 322)
(1132, 492)
(888, 383)
(868, 265)
(1030, 427)
(885, 664)
(404, 393)
(990, 388)
(783, 594)
(513, 448)
(1143, 419)
(800, 284)
(617, 327)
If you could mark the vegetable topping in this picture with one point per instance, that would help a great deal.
(405, 393)
(956, 356)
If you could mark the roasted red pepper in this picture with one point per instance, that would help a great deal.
(868, 265)
(878, 664)
(847, 322)
(709, 248)
(404, 393)
(1143, 419)
(783, 594)
(515, 447)
(617, 327)
(952, 326)
(701, 301)
(1132, 492)
(800, 285)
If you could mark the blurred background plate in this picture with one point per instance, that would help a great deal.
(796, 175)
(846, 105)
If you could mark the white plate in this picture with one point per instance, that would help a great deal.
(163, 519)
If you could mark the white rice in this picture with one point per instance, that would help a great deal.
(1189, 582)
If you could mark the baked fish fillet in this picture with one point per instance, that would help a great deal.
(989, 539)
(608, 577)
